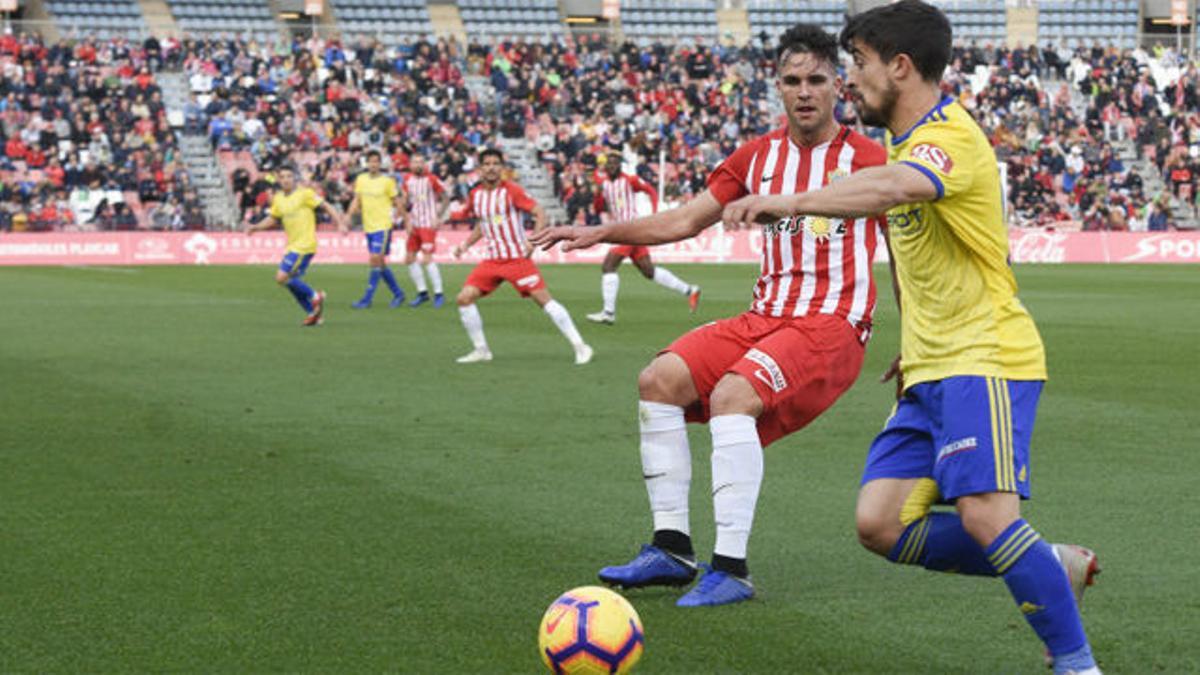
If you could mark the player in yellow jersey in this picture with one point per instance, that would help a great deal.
(375, 195)
(295, 208)
(971, 363)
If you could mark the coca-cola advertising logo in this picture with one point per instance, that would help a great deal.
(1038, 247)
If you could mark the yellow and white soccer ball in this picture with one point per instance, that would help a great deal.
(591, 630)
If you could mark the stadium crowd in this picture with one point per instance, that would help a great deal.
(87, 142)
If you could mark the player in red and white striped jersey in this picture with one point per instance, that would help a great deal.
(616, 201)
(426, 201)
(499, 208)
(770, 371)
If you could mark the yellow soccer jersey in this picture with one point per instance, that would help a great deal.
(297, 212)
(959, 309)
(375, 197)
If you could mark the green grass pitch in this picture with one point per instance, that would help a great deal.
(192, 482)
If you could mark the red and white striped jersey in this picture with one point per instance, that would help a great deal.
(618, 196)
(423, 192)
(810, 264)
(501, 214)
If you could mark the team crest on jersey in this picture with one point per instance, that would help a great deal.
(836, 175)
(498, 219)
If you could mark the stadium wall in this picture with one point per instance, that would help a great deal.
(712, 246)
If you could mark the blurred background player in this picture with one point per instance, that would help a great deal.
(617, 202)
(499, 207)
(295, 208)
(972, 364)
(427, 201)
(375, 195)
(768, 372)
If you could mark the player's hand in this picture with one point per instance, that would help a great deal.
(894, 372)
(763, 209)
(458, 251)
(572, 237)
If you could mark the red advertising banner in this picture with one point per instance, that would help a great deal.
(712, 246)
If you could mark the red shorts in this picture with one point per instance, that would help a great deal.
(421, 239)
(799, 366)
(520, 272)
(632, 252)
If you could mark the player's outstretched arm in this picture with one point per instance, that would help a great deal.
(863, 193)
(476, 235)
(268, 223)
(335, 216)
(660, 228)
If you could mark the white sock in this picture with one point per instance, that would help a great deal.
(473, 322)
(562, 319)
(609, 283)
(418, 279)
(737, 473)
(666, 464)
(435, 277)
(663, 277)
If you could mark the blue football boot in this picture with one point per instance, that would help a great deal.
(422, 298)
(364, 303)
(438, 300)
(717, 588)
(652, 567)
(397, 300)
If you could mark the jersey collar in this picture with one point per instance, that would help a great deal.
(935, 113)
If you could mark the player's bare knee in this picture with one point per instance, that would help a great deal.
(465, 298)
(282, 278)
(734, 395)
(877, 531)
(986, 516)
(661, 383)
(647, 270)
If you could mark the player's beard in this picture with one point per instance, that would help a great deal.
(879, 116)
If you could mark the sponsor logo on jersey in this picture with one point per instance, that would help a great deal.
(530, 280)
(932, 154)
(820, 227)
(903, 219)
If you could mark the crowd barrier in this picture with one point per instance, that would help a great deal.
(712, 246)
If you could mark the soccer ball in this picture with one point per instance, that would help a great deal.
(591, 630)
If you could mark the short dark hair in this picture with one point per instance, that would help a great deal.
(909, 27)
(806, 38)
(374, 153)
(491, 152)
(289, 167)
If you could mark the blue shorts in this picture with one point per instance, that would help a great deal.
(295, 264)
(969, 433)
(379, 242)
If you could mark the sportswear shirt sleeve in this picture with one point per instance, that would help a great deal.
(941, 153)
(520, 198)
(728, 181)
(311, 199)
